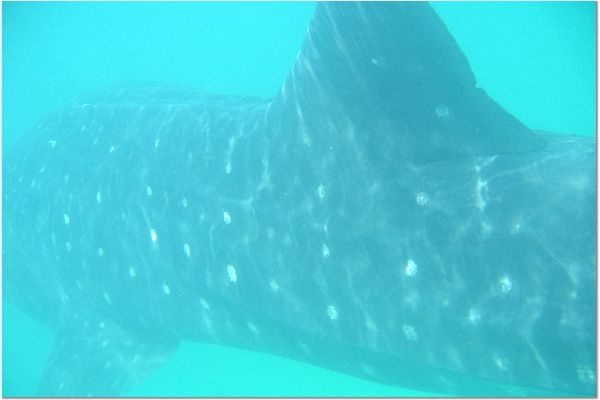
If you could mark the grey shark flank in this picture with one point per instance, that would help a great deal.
(381, 216)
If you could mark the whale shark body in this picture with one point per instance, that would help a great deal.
(381, 216)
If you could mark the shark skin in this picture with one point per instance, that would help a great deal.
(381, 217)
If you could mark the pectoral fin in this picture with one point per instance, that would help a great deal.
(98, 357)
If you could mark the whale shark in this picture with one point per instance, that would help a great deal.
(381, 216)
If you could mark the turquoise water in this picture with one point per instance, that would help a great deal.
(537, 60)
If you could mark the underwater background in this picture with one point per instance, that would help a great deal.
(538, 60)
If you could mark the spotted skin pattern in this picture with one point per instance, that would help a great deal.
(303, 227)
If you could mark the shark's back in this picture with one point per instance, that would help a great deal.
(75, 179)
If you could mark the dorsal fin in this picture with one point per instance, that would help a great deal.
(394, 73)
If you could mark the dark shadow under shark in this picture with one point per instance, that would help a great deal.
(381, 216)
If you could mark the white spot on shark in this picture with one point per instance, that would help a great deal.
(421, 198)
(52, 143)
(187, 250)
(184, 202)
(231, 273)
(228, 168)
(67, 219)
(515, 228)
(474, 316)
(586, 374)
(325, 251)
(98, 197)
(100, 252)
(505, 284)
(153, 235)
(148, 190)
(132, 273)
(411, 268)
(166, 289)
(500, 363)
(68, 245)
(226, 218)
(321, 191)
(332, 312)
